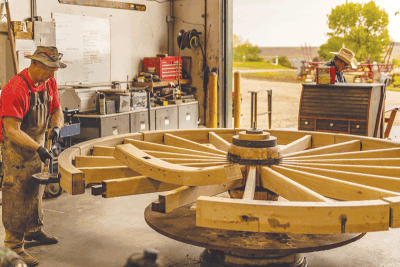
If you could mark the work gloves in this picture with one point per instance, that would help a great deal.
(55, 134)
(43, 154)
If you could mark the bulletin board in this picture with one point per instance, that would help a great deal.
(84, 42)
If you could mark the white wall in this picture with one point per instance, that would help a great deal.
(134, 34)
(192, 11)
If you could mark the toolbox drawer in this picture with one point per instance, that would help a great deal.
(114, 125)
(306, 124)
(332, 125)
(187, 115)
(358, 128)
(140, 120)
(166, 118)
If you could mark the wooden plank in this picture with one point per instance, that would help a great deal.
(368, 143)
(164, 148)
(160, 154)
(134, 186)
(292, 217)
(377, 153)
(105, 151)
(105, 4)
(172, 173)
(175, 141)
(188, 194)
(72, 180)
(100, 161)
(251, 182)
(374, 170)
(334, 188)
(395, 162)
(183, 161)
(394, 211)
(99, 174)
(205, 164)
(288, 188)
(336, 148)
(298, 145)
(218, 142)
(11, 37)
(384, 182)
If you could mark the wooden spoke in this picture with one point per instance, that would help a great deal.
(72, 180)
(379, 153)
(175, 174)
(134, 186)
(384, 182)
(395, 162)
(288, 188)
(334, 188)
(342, 147)
(219, 142)
(164, 148)
(182, 161)
(99, 174)
(394, 211)
(292, 217)
(298, 145)
(184, 195)
(103, 151)
(159, 154)
(375, 170)
(205, 164)
(172, 140)
(100, 161)
(251, 180)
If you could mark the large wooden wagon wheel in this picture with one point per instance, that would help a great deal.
(291, 191)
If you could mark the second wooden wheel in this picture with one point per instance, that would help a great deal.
(326, 183)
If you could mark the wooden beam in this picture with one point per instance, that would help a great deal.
(384, 182)
(164, 148)
(251, 182)
(183, 161)
(100, 174)
(172, 173)
(134, 186)
(288, 188)
(160, 154)
(205, 164)
(218, 142)
(175, 141)
(378, 153)
(374, 170)
(103, 151)
(336, 148)
(394, 162)
(394, 211)
(72, 180)
(106, 4)
(188, 194)
(12, 38)
(292, 217)
(100, 161)
(298, 145)
(335, 188)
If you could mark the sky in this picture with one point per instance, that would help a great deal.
(271, 23)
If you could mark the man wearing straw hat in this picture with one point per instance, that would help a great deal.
(342, 60)
(27, 103)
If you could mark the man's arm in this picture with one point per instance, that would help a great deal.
(12, 127)
(57, 118)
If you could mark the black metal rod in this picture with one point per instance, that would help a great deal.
(148, 108)
(269, 108)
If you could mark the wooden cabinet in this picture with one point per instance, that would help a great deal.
(342, 108)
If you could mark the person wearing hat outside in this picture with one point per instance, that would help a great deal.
(342, 60)
(27, 103)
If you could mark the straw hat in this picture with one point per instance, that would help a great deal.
(347, 56)
(49, 56)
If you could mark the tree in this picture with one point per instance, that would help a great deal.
(360, 27)
(237, 40)
(246, 52)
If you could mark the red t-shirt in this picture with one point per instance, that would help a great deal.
(15, 101)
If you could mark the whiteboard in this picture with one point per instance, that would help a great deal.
(84, 42)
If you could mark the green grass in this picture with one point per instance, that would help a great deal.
(256, 65)
(284, 76)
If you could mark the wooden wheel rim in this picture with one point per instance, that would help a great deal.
(363, 173)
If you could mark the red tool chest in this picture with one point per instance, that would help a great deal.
(168, 68)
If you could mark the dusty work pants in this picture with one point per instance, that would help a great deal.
(15, 240)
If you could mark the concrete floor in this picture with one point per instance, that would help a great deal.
(94, 231)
